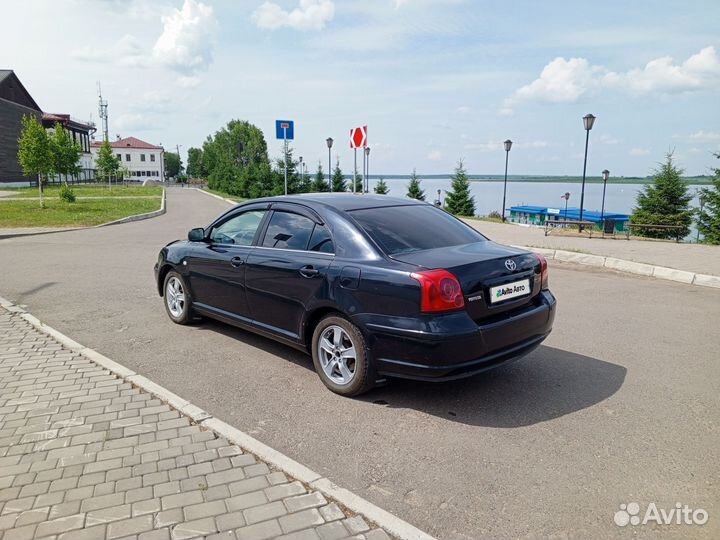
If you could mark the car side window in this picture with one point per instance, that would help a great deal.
(239, 230)
(288, 231)
(321, 240)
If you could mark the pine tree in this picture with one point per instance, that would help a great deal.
(338, 180)
(458, 200)
(381, 188)
(664, 202)
(320, 182)
(34, 152)
(414, 191)
(709, 218)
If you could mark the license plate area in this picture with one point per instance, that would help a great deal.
(508, 291)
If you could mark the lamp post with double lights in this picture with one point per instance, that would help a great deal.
(329, 142)
(508, 145)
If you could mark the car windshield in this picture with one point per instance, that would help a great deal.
(402, 229)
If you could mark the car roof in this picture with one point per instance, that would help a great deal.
(344, 201)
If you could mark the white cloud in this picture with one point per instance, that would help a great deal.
(561, 81)
(702, 136)
(608, 139)
(435, 155)
(127, 51)
(497, 146)
(309, 15)
(639, 152)
(188, 81)
(567, 81)
(463, 109)
(185, 44)
(662, 75)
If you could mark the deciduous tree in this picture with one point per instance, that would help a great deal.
(107, 164)
(34, 152)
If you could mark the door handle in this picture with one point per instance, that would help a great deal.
(309, 271)
(236, 262)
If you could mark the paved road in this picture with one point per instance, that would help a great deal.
(620, 405)
(699, 258)
(88, 456)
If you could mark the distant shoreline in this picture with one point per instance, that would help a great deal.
(690, 180)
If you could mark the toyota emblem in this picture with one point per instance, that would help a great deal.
(510, 265)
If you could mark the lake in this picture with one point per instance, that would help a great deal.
(619, 198)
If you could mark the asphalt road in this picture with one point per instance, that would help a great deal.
(620, 405)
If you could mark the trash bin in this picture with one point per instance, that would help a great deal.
(609, 226)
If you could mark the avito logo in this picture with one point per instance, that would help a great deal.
(510, 290)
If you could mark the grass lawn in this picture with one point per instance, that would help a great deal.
(226, 195)
(83, 212)
(90, 191)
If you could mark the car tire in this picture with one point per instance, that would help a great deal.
(177, 300)
(341, 357)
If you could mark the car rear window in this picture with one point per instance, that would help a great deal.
(402, 229)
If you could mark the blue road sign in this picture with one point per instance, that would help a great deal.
(284, 129)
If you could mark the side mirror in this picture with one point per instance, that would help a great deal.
(196, 235)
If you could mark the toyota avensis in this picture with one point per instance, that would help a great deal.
(371, 286)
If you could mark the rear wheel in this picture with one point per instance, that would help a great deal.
(177, 298)
(340, 356)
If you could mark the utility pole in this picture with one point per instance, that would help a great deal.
(103, 111)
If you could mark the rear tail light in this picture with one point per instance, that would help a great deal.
(544, 278)
(441, 291)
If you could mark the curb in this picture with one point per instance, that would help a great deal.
(230, 201)
(128, 219)
(384, 519)
(629, 267)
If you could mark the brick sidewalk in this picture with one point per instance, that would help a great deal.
(85, 456)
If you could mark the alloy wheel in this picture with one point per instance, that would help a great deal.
(175, 297)
(337, 355)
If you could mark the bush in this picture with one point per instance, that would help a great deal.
(494, 215)
(67, 194)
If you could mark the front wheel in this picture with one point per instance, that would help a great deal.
(341, 357)
(177, 298)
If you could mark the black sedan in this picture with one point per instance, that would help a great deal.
(371, 286)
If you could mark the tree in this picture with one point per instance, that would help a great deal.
(107, 164)
(65, 152)
(195, 167)
(34, 152)
(414, 191)
(338, 180)
(173, 164)
(236, 161)
(458, 200)
(709, 218)
(664, 202)
(381, 188)
(320, 182)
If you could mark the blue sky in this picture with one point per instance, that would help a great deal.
(435, 80)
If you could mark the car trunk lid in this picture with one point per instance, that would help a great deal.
(494, 278)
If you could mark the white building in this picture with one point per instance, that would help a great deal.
(142, 160)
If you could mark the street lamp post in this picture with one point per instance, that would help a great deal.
(508, 146)
(329, 142)
(588, 121)
(701, 198)
(567, 198)
(367, 169)
(605, 175)
(302, 176)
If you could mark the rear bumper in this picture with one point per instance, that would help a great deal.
(454, 346)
